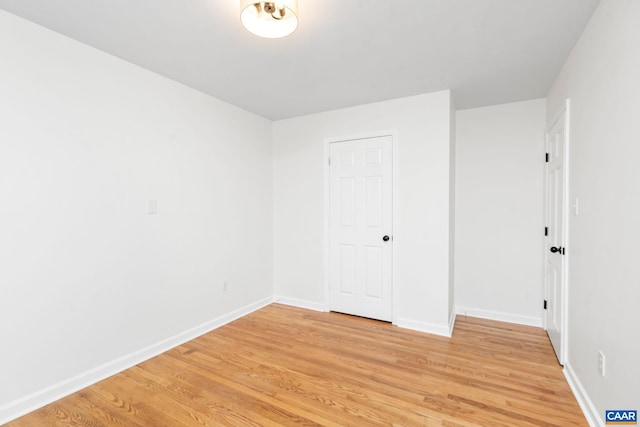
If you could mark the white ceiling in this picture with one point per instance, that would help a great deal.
(344, 52)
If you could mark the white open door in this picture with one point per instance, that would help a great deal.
(360, 235)
(554, 251)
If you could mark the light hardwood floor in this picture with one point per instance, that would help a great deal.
(287, 366)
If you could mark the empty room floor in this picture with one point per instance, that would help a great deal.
(289, 366)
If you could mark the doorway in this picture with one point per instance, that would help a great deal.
(360, 227)
(555, 261)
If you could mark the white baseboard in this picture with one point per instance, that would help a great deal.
(300, 303)
(40, 398)
(452, 322)
(429, 328)
(587, 406)
(500, 316)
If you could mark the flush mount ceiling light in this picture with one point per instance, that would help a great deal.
(269, 19)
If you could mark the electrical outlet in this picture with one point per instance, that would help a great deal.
(601, 363)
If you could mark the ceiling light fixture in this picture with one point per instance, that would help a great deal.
(269, 19)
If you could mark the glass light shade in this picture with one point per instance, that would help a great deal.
(262, 23)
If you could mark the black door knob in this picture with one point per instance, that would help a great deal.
(385, 238)
(554, 249)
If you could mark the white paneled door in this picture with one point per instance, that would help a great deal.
(554, 249)
(360, 241)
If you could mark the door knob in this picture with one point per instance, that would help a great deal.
(554, 249)
(385, 238)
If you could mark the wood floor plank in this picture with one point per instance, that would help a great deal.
(286, 366)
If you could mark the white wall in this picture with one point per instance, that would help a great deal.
(452, 208)
(86, 276)
(601, 77)
(421, 233)
(499, 215)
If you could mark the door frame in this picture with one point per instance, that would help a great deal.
(394, 213)
(564, 321)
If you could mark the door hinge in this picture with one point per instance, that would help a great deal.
(546, 231)
(546, 157)
(329, 161)
(562, 251)
(545, 304)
